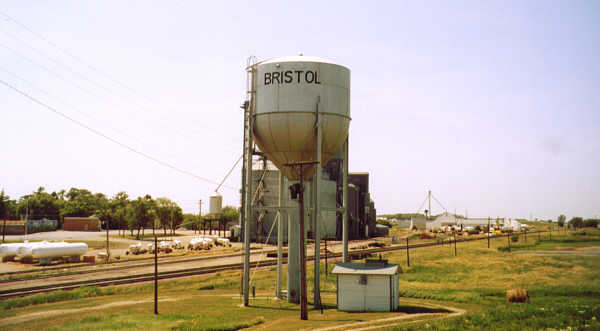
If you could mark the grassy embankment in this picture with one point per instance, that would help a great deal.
(564, 291)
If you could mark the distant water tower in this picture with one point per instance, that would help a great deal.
(297, 111)
(216, 205)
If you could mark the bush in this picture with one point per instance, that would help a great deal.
(425, 235)
(591, 223)
(387, 223)
(514, 238)
(473, 231)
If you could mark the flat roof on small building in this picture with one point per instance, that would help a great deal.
(352, 268)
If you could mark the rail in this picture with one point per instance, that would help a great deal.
(131, 279)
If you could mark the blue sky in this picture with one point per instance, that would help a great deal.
(494, 106)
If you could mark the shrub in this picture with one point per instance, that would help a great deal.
(425, 235)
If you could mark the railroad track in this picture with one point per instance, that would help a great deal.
(121, 266)
(131, 279)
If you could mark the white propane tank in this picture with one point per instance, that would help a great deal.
(10, 250)
(59, 249)
(25, 251)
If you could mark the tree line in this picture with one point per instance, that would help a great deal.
(578, 222)
(119, 212)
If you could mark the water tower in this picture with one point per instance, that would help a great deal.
(297, 112)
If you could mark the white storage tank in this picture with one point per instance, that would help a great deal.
(288, 92)
(58, 250)
(216, 203)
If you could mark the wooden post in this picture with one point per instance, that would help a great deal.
(155, 275)
(407, 254)
(107, 242)
(488, 232)
(303, 296)
(4, 227)
(454, 243)
(508, 237)
(326, 269)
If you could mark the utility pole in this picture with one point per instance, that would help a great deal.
(455, 243)
(407, 254)
(155, 276)
(199, 215)
(326, 268)
(107, 241)
(429, 198)
(4, 226)
(488, 232)
(303, 294)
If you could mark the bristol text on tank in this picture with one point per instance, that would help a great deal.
(290, 76)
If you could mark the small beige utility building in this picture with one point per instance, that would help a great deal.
(371, 286)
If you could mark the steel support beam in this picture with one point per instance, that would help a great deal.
(345, 202)
(280, 219)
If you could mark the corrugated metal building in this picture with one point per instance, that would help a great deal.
(371, 286)
(361, 209)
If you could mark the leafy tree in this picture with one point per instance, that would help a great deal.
(38, 205)
(576, 222)
(230, 214)
(3, 205)
(591, 223)
(82, 203)
(387, 223)
(190, 221)
(169, 214)
(141, 214)
(561, 220)
(119, 205)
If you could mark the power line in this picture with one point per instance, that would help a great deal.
(80, 87)
(229, 173)
(122, 132)
(73, 71)
(89, 66)
(49, 70)
(419, 210)
(434, 198)
(68, 68)
(71, 55)
(81, 124)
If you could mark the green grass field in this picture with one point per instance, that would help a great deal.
(564, 292)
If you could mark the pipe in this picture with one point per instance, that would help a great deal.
(345, 202)
(280, 235)
(317, 214)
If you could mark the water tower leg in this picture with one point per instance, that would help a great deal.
(345, 202)
(280, 234)
(317, 217)
(247, 214)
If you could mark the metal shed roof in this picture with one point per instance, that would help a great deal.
(350, 268)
